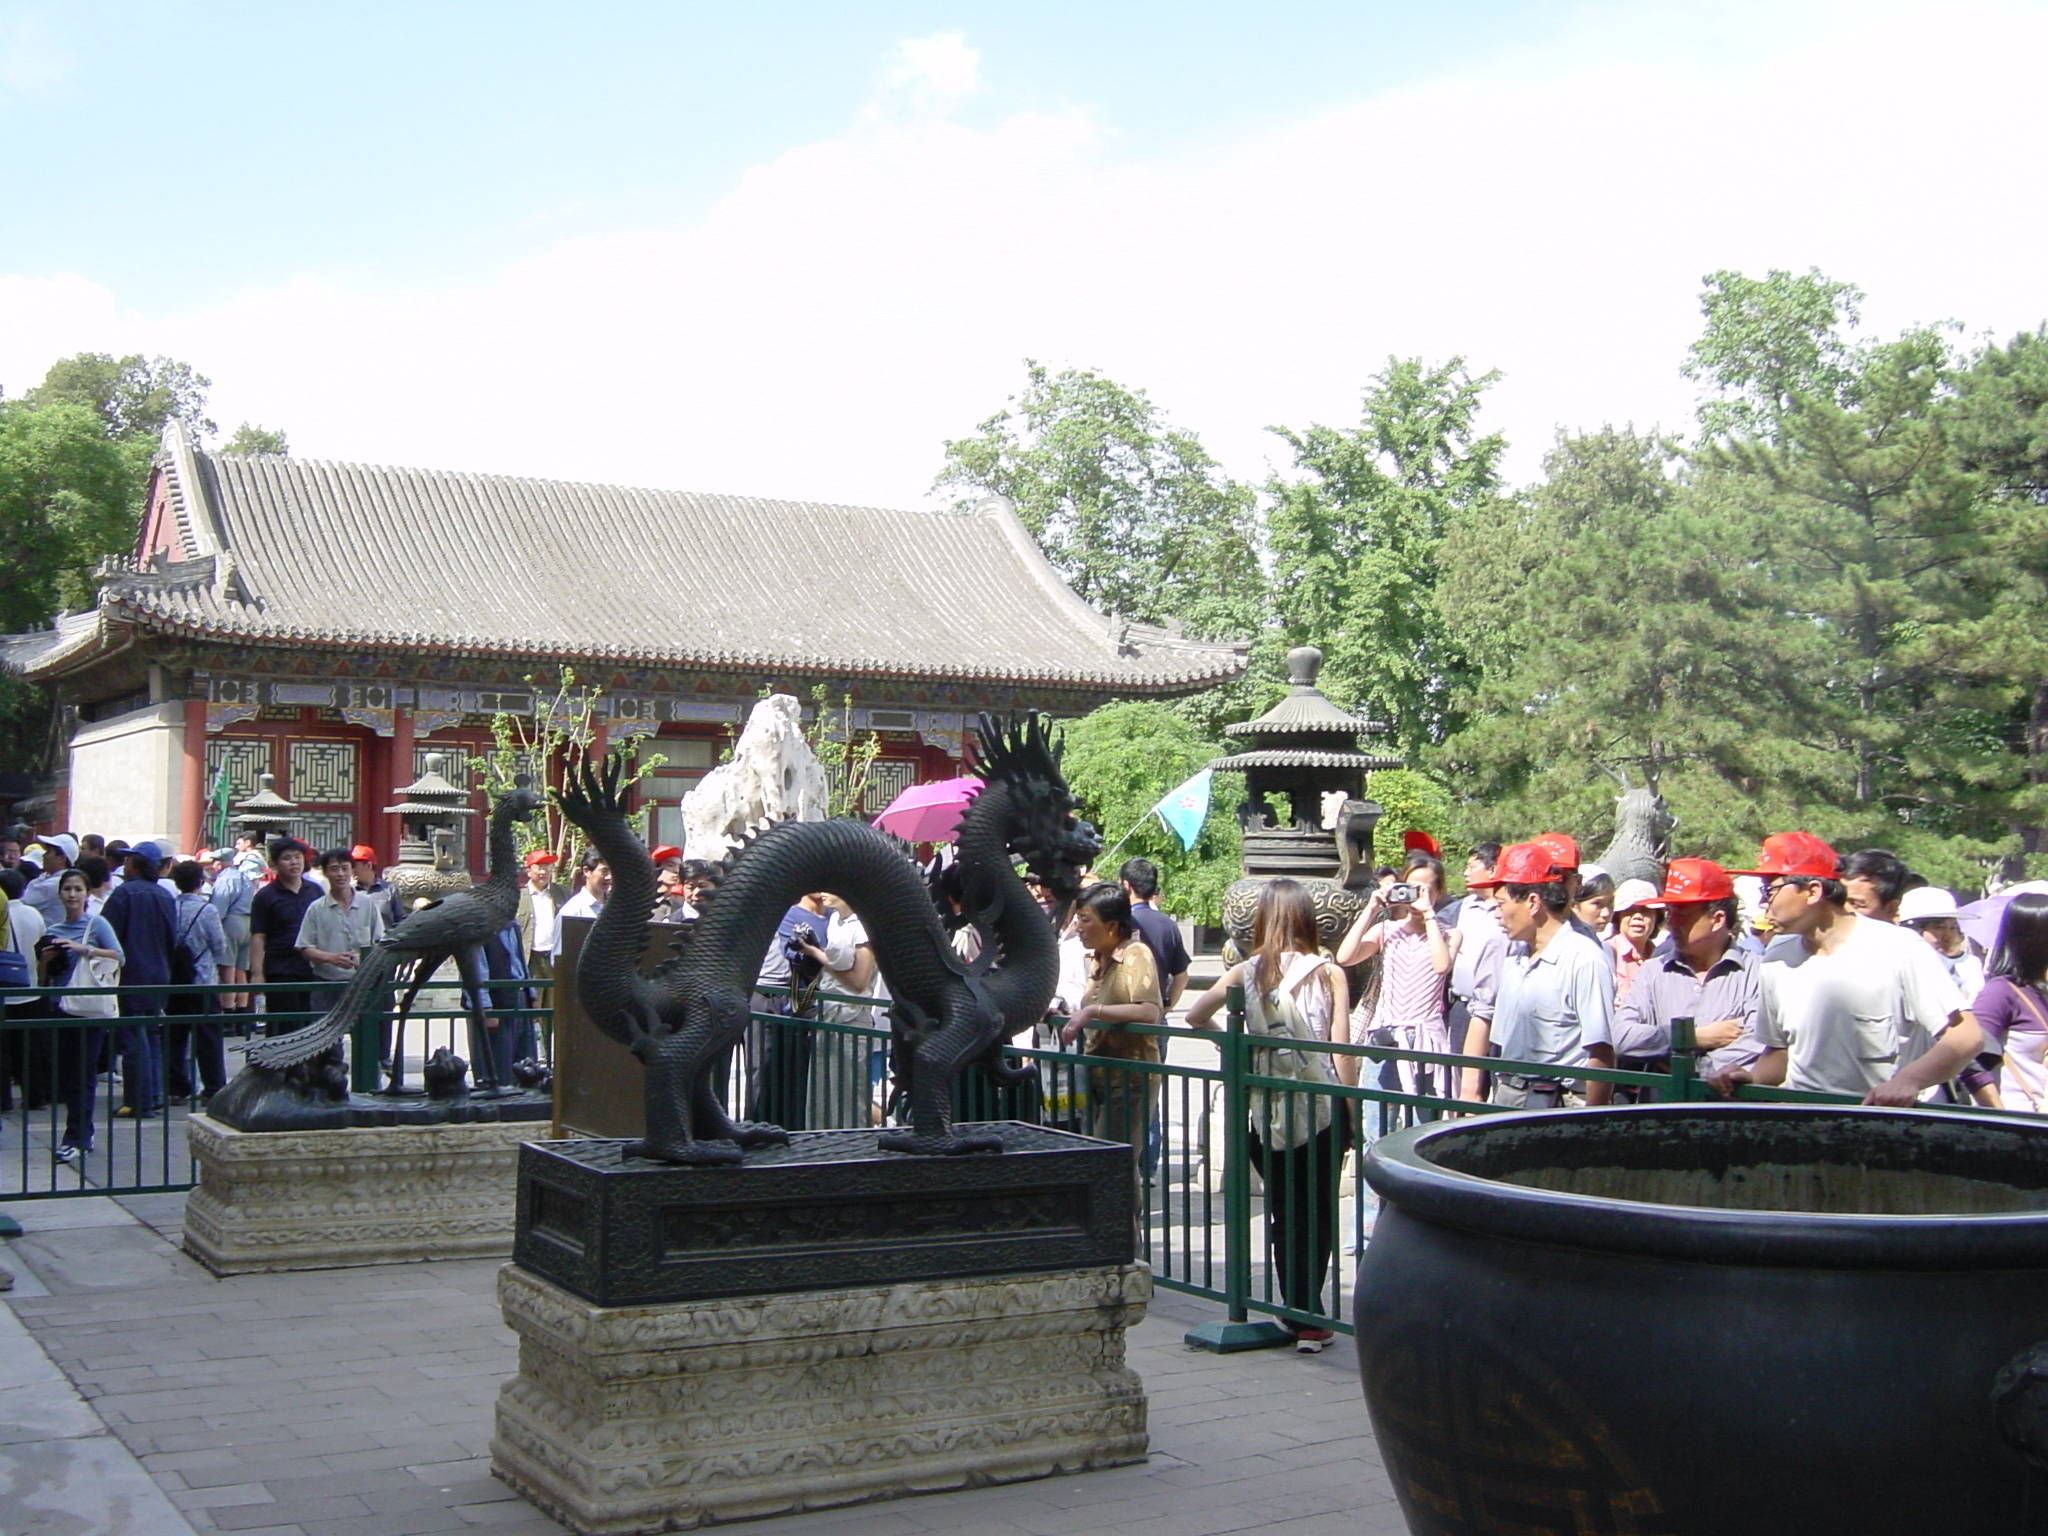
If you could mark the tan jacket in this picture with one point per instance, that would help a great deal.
(1129, 975)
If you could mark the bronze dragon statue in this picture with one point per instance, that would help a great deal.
(946, 1013)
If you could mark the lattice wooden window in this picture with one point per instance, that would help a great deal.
(323, 772)
(888, 777)
(245, 760)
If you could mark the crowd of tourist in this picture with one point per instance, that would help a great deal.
(1840, 976)
(277, 931)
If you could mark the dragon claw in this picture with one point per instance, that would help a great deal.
(693, 1154)
(758, 1133)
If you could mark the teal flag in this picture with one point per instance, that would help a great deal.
(1185, 809)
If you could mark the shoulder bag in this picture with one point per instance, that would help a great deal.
(91, 971)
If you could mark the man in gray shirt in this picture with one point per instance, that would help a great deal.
(1701, 975)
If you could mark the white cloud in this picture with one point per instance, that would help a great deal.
(942, 65)
(856, 301)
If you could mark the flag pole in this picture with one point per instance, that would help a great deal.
(1127, 836)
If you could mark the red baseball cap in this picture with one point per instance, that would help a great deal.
(1420, 842)
(665, 852)
(1693, 880)
(1564, 853)
(540, 856)
(362, 853)
(1520, 864)
(1800, 854)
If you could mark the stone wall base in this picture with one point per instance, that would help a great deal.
(269, 1200)
(672, 1415)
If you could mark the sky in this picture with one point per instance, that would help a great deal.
(790, 250)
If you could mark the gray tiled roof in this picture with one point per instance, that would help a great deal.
(1291, 757)
(294, 551)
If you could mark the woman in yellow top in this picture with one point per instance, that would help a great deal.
(1123, 989)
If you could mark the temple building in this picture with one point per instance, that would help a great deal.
(334, 625)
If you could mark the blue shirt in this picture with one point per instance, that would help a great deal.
(144, 916)
(1552, 1006)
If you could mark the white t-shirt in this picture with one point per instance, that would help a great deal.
(582, 904)
(1852, 1018)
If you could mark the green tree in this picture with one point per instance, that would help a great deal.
(1120, 759)
(1621, 643)
(1874, 533)
(66, 500)
(1357, 536)
(1998, 429)
(251, 440)
(1408, 802)
(1769, 342)
(133, 396)
(1131, 510)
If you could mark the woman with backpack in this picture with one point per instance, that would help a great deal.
(1293, 991)
(199, 948)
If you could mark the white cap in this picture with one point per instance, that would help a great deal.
(1631, 894)
(64, 843)
(1927, 901)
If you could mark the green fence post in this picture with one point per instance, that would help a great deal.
(366, 1045)
(1238, 1332)
(1685, 1082)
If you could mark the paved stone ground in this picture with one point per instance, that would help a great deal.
(358, 1403)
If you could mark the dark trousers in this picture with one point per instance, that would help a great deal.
(779, 1081)
(139, 1039)
(188, 1039)
(1302, 1186)
(78, 1055)
(28, 1057)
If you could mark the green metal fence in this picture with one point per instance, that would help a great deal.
(1261, 1206)
(47, 1060)
(1251, 1185)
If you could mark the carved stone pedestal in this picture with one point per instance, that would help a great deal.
(269, 1200)
(671, 1415)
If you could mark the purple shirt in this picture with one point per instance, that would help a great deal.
(1666, 988)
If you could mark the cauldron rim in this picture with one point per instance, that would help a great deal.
(1401, 1172)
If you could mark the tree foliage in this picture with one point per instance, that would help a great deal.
(1130, 509)
(1120, 760)
(1619, 643)
(1357, 535)
(248, 439)
(1769, 342)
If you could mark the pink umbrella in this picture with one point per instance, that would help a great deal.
(929, 813)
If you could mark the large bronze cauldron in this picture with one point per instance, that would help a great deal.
(1706, 1320)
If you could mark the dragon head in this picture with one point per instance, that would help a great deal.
(1022, 756)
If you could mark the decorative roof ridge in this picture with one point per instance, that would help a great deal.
(480, 475)
(159, 573)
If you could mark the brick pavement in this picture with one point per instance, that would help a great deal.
(358, 1403)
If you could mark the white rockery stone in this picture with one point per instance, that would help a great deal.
(773, 776)
(657, 1418)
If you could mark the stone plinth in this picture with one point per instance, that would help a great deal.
(678, 1414)
(830, 1209)
(270, 1200)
